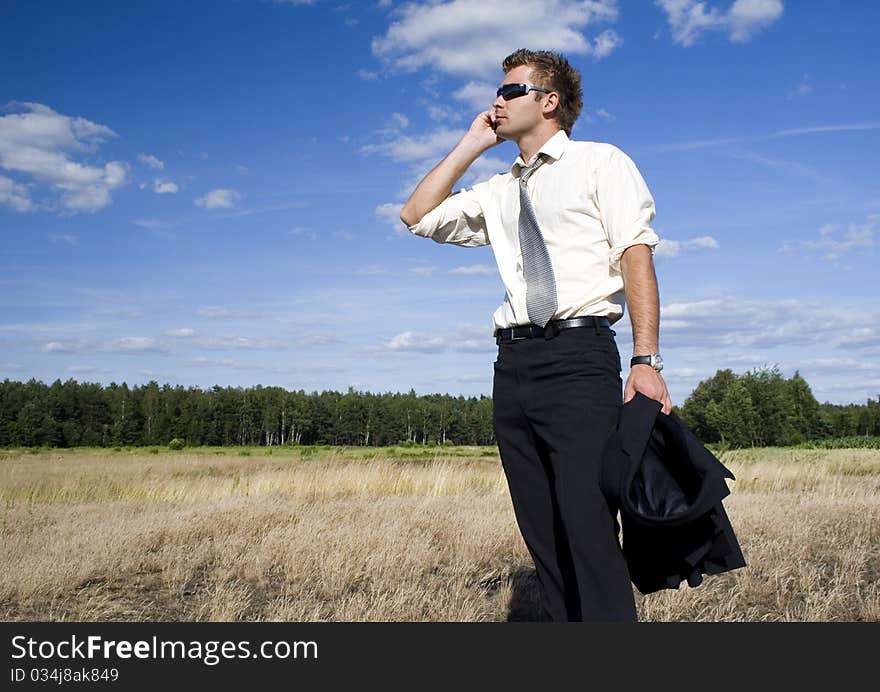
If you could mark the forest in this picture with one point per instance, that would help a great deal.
(758, 408)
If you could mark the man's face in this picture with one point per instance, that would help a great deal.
(520, 115)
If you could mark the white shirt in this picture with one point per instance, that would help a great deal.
(591, 204)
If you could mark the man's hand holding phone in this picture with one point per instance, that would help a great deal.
(482, 130)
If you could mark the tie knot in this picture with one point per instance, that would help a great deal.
(526, 171)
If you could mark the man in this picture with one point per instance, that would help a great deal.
(569, 226)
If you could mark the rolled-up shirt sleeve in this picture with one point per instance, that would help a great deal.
(457, 220)
(626, 206)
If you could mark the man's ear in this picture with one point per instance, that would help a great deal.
(550, 103)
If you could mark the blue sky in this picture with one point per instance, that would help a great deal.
(207, 193)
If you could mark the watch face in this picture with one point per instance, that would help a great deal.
(657, 362)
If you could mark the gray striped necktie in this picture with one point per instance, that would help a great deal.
(538, 271)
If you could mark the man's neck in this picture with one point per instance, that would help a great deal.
(531, 143)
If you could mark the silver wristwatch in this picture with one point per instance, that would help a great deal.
(654, 360)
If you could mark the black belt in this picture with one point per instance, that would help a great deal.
(528, 331)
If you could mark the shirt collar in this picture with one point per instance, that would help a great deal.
(553, 148)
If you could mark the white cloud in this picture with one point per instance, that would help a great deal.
(467, 338)
(470, 39)
(477, 95)
(422, 271)
(151, 161)
(227, 342)
(443, 113)
(184, 333)
(861, 337)
(794, 168)
(667, 248)
(412, 341)
(40, 142)
(825, 128)
(134, 344)
(82, 369)
(802, 89)
(370, 270)
(705, 242)
(483, 269)
(483, 168)
(412, 148)
(163, 187)
(689, 19)
(729, 322)
(223, 312)
(399, 120)
(218, 199)
(57, 347)
(390, 213)
(856, 238)
(747, 17)
(368, 75)
(672, 248)
(216, 311)
(64, 238)
(14, 195)
(303, 232)
(605, 43)
(222, 362)
(151, 224)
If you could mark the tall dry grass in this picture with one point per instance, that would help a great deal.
(360, 535)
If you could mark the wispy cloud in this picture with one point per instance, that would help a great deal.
(303, 232)
(761, 324)
(421, 271)
(412, 148)
(224, 312)
(803, 88)
(727, 141)
(151, 224)
(673, 248)
(14, 195)
(182, 333)
(218, 199)
(164, 187)
(475, 269)
(825, 128)
(835, 244)
(389, 212)
(151, 161)
(67, 238)
(689, 20)
(466, 338)
(794, 168)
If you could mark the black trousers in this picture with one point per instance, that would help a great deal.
(555, 400)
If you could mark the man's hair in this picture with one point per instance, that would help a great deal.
(552, 71)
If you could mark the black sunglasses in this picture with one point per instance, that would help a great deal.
(512, 91)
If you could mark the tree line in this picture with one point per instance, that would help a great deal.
(758, 408)
(70, 414)
(763, 409)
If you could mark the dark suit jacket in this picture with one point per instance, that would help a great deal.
(668, 488)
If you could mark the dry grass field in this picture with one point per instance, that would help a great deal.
(389, 535)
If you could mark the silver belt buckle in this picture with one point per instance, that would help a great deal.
(513, 336)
